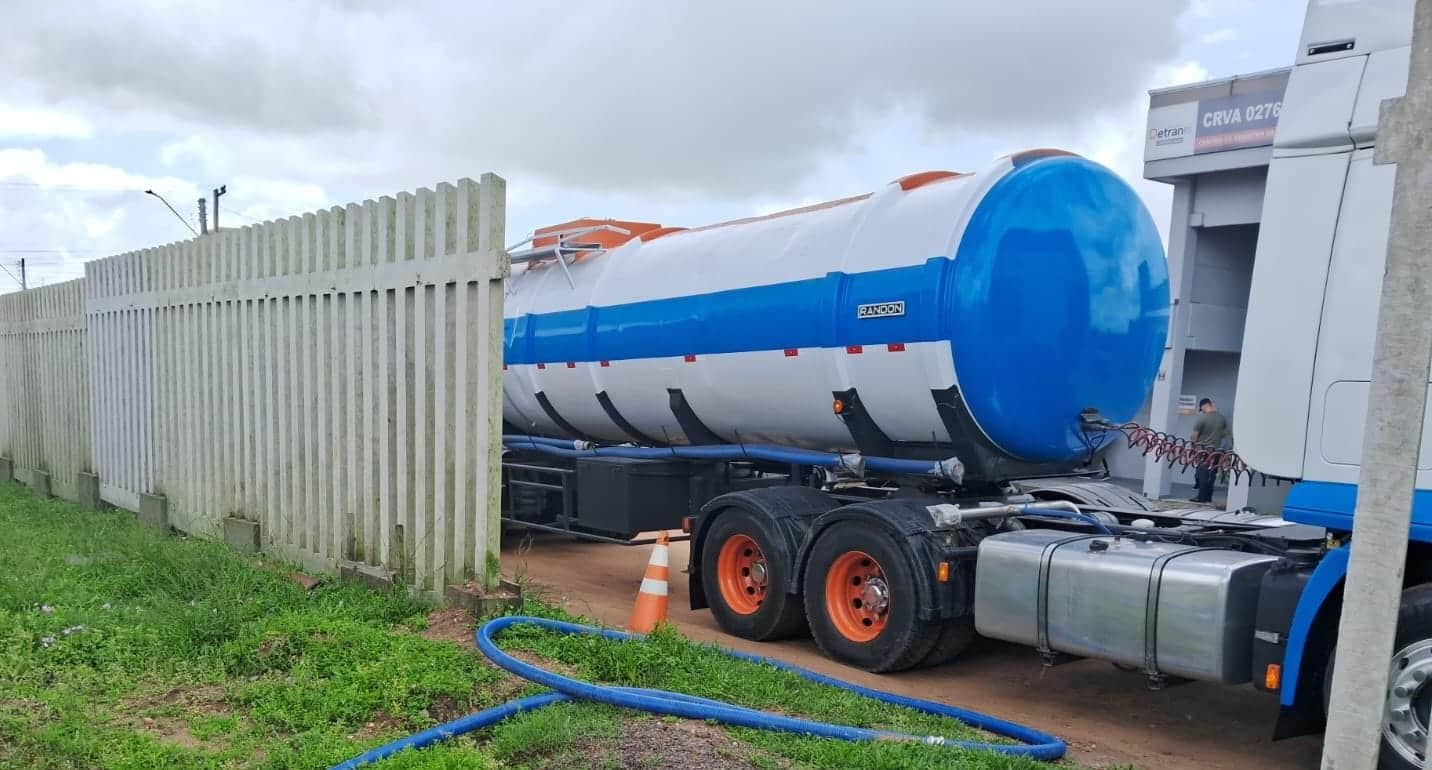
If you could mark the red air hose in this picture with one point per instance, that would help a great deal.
(1176, 450)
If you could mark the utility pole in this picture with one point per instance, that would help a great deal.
(220, 190)
(24, 281)
(171, 208)
(203, 218)
(1396, 405)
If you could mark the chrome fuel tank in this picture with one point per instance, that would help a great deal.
(1172, 610)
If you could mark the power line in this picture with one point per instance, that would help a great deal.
(38, 187)
(48, 251)
(228, 210)
(12, 276)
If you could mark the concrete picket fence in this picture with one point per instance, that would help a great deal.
(332, 381)
(45, 415)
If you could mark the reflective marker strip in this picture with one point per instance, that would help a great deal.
(893, 347)
(653, 587)
(660, 556)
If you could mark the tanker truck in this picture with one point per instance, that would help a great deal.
(881, 419)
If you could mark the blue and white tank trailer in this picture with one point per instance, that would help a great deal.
(881, 418)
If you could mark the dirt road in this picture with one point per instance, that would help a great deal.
(1106, 715)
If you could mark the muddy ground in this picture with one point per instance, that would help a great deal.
(1106, 715)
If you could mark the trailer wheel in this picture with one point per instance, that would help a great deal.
(1408, 712)
(745, 571)
(860, 600)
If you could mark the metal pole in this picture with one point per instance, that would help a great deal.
(1396, 405)
(24, 280)
(220, 190)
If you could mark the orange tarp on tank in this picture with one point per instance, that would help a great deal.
(604, 238)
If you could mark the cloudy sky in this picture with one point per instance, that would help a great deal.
(673, 112)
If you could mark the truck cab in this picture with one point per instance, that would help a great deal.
(1312, 310)
(1309, 338)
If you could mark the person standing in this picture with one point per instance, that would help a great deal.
(1210, 431)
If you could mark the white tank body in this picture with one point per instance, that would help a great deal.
(1030, 290)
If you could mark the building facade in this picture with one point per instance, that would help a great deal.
(1212, 142)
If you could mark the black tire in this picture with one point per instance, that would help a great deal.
(1414, 624)
(956, 636)
(780, 615)
(905, 640)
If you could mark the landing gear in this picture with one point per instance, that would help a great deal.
(860, 600)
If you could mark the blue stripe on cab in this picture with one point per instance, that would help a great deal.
(1332, 504)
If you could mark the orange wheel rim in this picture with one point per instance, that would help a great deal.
(743, 574)
(857, 596)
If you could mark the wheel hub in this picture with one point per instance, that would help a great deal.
(1409, 700)
(759, 575)
(743, 574)
(857, 596)
(875, 594)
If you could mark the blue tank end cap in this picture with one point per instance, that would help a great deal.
(1059, 302)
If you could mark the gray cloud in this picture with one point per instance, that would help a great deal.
(714, 99)
(255, 70)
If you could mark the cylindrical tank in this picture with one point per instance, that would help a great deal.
(992, 306)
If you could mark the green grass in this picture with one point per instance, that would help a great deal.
(124, 648)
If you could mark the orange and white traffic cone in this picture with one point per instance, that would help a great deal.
(651, 600)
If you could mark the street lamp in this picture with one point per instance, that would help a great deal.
(171, 208)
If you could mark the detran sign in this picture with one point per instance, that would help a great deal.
(1214, 117)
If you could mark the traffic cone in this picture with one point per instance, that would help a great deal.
(651, 600)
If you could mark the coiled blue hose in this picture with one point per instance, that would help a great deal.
(768, 452)
(1034, 744)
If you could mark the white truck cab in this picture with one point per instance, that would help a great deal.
(1312, 309)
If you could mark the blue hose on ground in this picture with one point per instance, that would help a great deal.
(1034, 744)
(767, 452)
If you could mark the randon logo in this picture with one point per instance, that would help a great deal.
(881, 309)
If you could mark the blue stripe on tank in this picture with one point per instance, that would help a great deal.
(815, 312)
